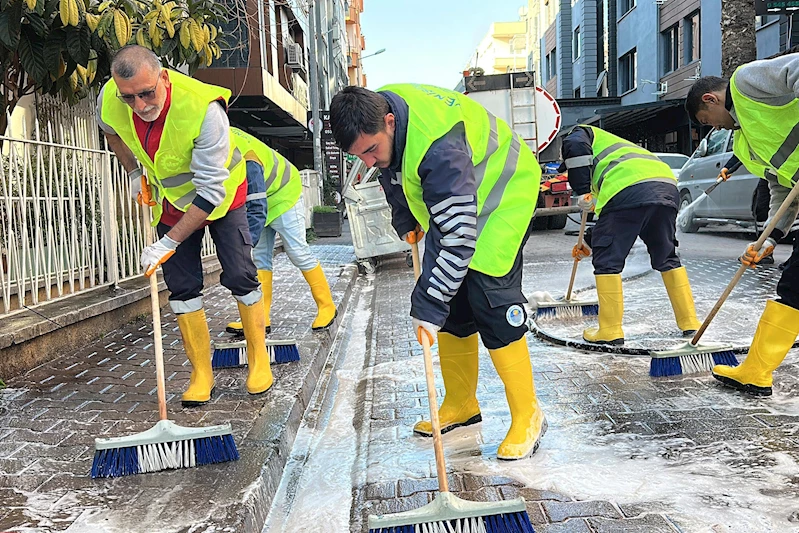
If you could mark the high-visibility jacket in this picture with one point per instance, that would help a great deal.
(507, 173)
(170, 171)
(768, 140)
(618, 164)
(283, 182)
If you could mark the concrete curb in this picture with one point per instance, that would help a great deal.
(268, 444)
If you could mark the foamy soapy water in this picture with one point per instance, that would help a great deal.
(688, 210)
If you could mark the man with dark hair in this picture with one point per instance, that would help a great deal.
(453, 170)
(177, 128)
(634, 194)
(761, 104)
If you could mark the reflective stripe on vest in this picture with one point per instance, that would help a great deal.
(632, 166)
(768, 139)
(507, 176)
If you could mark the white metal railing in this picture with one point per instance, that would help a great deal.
(67, 219)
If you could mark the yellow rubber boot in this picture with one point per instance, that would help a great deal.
(197, 343)
(265, 277)
(320, 290)
(611, 311)
(682, 300)
(260, 377)
(528, 423)
(775, 335)
(458, 357)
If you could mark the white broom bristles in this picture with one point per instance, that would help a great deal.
(166, 455)
(464, 525)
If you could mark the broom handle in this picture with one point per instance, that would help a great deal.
(763, 236)
(579, 245)
(438, 446)
(156, 309)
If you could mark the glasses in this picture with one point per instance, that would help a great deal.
(145, 96)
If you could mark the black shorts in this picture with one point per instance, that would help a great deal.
(491, 306)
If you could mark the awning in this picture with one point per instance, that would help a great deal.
(626, 116)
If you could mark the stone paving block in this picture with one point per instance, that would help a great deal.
(575, 525)
(560, 511)
(381, 491)
(645, 524)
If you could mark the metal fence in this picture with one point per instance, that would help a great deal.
(67, 220)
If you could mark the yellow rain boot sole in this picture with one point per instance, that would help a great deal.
(593, 335)
(425, 428)
(515, 451)
(236, 329)
(196, 400)
(725, 374)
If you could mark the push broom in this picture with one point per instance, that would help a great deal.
(234, 354)
(166, 445)
(693, 357)
(448, 513)
(566, 308)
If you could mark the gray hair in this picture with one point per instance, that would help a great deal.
(129, 60)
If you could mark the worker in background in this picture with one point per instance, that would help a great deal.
(438, 151)
(277, 208)
(634, 194)
(760, 103)
(177, 128)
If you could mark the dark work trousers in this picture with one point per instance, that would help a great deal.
(788, 286)
(183, 272)
(491, 306)
(615, 233)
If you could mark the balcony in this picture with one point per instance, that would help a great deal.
(352, 16)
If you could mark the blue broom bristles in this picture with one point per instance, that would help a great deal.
(725, 358)
(665, 366)
(226, 358)
(124, 461)
(286, 353)
(499, 523)
(591, 310)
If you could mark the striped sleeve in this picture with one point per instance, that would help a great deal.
(578, 157)
(449, 191)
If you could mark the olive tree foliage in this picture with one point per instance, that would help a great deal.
(64, 47)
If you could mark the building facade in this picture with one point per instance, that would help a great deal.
(356, 44)
(503, 49)
(627, 65)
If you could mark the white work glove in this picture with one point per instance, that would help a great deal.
(135, 182)
(157, 253)
(420, 327)
(586, 202)
(752, 257)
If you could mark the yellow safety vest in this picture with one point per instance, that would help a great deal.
(507, 173)
(283, 182)
(170, 172)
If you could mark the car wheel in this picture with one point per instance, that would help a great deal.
(556, 222)
(539, 223)
(686, 223)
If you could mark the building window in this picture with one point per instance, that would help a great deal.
(690, 30)
(577, 92)
(552, 64)
(671, 49)
(627, 71)
(577, 44)
(625, 6)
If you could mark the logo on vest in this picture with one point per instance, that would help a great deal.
(171, 164)
(515, 316)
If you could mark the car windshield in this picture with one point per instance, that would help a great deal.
(675, 161)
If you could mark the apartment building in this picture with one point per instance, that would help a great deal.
(356, 44)
(503, 48)
(266, 66)
(627, 65)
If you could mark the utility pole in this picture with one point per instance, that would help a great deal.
(314, 78)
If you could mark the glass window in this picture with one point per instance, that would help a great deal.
(717, 142)
(627, 71)
(671, 49)
(625, 6)
(577, 44)
(691, 39)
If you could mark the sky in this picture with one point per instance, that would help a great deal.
(427, 41)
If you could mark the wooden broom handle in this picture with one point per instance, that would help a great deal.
(438, 446)
(156, 310)
(736, 278)
(579, 244)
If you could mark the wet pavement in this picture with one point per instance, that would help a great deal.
(624, 452)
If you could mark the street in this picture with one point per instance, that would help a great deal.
(624, 452)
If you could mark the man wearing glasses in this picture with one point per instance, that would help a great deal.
(177, 128)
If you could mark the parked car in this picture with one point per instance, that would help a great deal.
(732, 202)
(674, 161)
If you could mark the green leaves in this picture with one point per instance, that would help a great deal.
(79, 43)
(31, 55)
(10, 24)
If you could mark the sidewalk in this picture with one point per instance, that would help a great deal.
(624, 452)
(50, 416)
